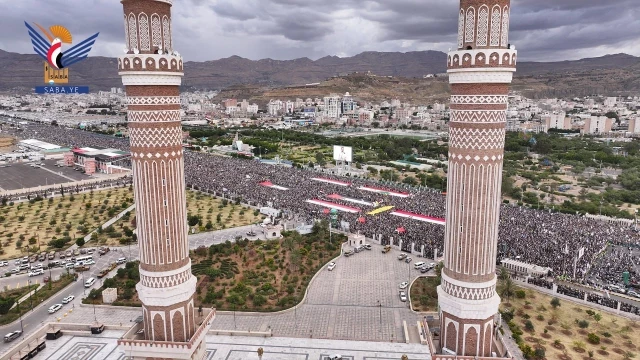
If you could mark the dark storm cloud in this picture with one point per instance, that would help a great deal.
(210, 29)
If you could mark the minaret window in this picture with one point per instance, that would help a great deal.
(505, 27)
(166, 32)
(483, 26)
(143, 25)
(164, 182)
(166, 222)
(461, 29)
(126, 33)
(470, 26)
(165, 202)
(133, 32)
(495, 26)
(156, 31)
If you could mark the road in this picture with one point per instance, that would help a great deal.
(39, 315)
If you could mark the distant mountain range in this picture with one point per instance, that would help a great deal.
(611, 73)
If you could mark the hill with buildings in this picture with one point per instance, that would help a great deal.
(608, 74)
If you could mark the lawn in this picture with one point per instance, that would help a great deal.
(568, 331)
(246, 275)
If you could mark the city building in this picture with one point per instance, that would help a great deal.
(597, 125)
(348, 104)
(634, 126)
(557, 121)
(91, 160)
(480, 72)
(152, 74)
(332, 106)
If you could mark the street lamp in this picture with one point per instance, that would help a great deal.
(30, 300)
(380, 307)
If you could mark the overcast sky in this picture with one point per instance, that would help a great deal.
(542, 30)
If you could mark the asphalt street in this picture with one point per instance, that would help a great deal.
(39, 315)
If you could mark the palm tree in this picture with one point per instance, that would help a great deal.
(504, 274)
(507, 288)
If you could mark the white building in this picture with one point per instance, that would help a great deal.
(274, 107)
(557, 120)
(610, 102)
(332, 106)
(596, 125)
(252, 109)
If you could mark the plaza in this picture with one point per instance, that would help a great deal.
(353, 310)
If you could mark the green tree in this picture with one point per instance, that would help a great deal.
(320, 159)
(507, 288)
(555, 302)
(410, 180)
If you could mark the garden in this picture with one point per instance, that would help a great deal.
(545, 327)
(51, 224)
(246, 275)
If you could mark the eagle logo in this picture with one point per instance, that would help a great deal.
(51, 50)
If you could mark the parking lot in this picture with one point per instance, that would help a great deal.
(22, 175)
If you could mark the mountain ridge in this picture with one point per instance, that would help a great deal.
(23, 71)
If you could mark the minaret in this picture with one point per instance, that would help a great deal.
(151, 72)
(480, 72)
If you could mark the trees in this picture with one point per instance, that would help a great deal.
(555, 302)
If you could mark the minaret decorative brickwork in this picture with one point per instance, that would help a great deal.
(480, 72)
(151, 72)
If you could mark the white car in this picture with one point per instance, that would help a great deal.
(68, 265)
(36, 272)
(331, 266)
(54, 308)
(4, 263)
(90, 262)
(36, 266)
(68, 299)
(403, 296)
(403, 285)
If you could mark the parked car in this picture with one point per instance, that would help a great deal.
(367, 246)
(4, 263)
(403, 285)
(331, 266)
(68, 299)
(348, 253)
(68, 265)
(633, 293)
(419, 264)
(36, 266)
(12, 336)
(54, 308)
(403, 296)
(408, 260)
(402, 256)
(386, 249)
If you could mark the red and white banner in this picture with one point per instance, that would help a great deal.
(331, 205)
(418, 217)
(355, 201)
(384, 191)
(330, 181)
(272, 185)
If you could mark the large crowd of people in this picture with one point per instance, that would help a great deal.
(542, 238)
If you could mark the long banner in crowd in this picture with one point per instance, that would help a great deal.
(380, 210)
(272, 185)
(414, 216)
(384, 191)
(331, 181)
(355, 201)
(331, 205)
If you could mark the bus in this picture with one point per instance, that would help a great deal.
(82, 260)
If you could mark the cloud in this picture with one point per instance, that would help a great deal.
(543, 30)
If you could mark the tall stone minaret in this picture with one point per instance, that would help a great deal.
(151, 72)
(480, 72)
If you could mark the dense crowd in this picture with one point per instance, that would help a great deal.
(538, 237)
(540, 282)
(570, 291)
(604, 301)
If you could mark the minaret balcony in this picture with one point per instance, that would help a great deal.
(150, 62)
